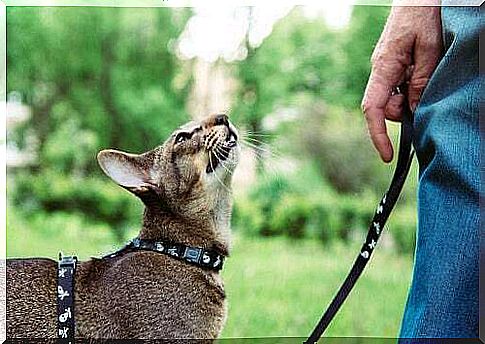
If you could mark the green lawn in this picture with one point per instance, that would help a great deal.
(278, 287)
(275, 287)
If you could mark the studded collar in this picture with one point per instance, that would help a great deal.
(207, 259)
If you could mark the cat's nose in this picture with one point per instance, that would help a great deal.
(221, 119)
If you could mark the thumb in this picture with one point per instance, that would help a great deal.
(427, 53)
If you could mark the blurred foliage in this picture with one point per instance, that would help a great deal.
(359, 42)
(99, 78)
(93, 78)
(301, 205)
(304, 56)
(336, 139)
(109, 70)
(99, 201)
(309, 80)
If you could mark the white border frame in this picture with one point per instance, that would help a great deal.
(127, 3)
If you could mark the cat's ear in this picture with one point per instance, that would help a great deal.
(125, 169)
(131, 171)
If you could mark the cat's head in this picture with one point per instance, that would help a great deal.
(189, 174)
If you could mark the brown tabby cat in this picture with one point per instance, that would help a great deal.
(185, 185)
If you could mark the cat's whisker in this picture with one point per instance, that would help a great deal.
(221, 161)
(255, 140)
(217, 178)
(267, 163)
(256, 150)
(225, 164)
(257, 143)
(258, 155)
(248, 143)
(228, 169)
(255, 132)
(250, 133)
(264, 147)
(260, 149)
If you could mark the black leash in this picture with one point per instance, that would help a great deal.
(65, 299)
(376, 227)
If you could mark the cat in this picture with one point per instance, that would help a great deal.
(185, 185)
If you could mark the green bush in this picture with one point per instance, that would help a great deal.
(267, 194)
(291, 216)
(99, 201)
(300, 206)
(247, 216)
(402, 227)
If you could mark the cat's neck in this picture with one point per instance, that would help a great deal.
(211, 232)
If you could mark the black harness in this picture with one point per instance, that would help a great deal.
(65, 298)
(207, 259)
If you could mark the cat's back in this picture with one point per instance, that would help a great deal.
(152, 295)
(31, 297)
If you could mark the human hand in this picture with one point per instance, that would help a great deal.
(408, 51)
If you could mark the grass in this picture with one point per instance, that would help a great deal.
(275, 287)
(45, 236)
(278, 287)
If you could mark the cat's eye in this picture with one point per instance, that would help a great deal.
(182, 137)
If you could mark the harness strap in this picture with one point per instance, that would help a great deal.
(67, 268)
(65, 298)
(376, 226)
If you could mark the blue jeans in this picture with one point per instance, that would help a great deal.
(443, 299)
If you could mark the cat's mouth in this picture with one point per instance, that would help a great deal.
(220, 152)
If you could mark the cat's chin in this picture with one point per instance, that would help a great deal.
(225, 159)
(220, 176)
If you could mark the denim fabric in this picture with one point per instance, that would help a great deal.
(443, 299)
